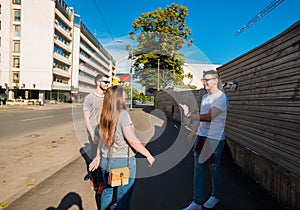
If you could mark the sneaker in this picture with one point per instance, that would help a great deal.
(193, 206)
(211, 202)
(113, 207)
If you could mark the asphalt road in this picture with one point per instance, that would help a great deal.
(35, 142)
(16, 123)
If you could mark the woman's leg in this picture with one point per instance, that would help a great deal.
(125, 192)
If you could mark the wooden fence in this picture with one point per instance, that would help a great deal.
(263, 123)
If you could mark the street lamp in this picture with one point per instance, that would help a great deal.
(158, 74)
(130, 70)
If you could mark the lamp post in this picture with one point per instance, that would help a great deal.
(158, 74)
(130, 70)
(131, 78)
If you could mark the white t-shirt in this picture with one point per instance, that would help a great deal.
(215, 128)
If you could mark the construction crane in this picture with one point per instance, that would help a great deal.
(262, 13)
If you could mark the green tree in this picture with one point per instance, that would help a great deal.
(135, 93)
(160, 35)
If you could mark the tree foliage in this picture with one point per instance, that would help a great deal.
(160, 35)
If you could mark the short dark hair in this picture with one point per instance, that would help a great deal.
(99, 76)
(214, 72)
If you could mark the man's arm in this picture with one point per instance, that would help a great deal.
(213, 112)
(86, 116)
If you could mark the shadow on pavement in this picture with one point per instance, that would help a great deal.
(174, 189)
(68, 201)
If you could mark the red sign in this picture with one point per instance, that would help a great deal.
(125, 78)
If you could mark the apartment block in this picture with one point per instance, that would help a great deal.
(46, 51)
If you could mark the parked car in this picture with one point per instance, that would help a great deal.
(3, 98)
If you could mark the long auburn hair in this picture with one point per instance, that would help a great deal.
(113, 104)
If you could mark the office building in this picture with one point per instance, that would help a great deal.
(46, 51)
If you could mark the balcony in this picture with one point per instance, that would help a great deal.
(61, 58)
(85, 89)
(87, 70)
(93, 55)
(63, 18)
(62, 45)
(86, 80)
(61, 72)
(65, 33)
(60, 86)
(88, 61)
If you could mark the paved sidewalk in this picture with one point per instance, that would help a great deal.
(171, 190)
(10, 108)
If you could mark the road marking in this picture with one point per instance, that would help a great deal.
(37, 118)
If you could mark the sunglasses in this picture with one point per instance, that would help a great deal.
(106, 82)
(206, 80)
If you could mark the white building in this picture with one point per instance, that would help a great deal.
(47, 51)
(196, 72)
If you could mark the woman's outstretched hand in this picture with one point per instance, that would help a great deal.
(151, 160)
(94, 164)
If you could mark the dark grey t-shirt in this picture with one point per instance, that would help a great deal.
(120, 148)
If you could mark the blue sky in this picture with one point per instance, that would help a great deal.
(213, 23)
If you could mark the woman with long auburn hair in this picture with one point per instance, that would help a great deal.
(118, 141)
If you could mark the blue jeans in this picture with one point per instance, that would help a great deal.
(215, 171)
(123, 192)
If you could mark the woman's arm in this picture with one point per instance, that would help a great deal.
(135, 143)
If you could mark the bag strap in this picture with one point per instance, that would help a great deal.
(110, 156)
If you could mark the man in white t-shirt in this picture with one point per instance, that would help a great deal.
(92, 106)
(210, 140)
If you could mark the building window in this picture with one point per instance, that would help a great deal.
(60, 51)
(16, 46)
(17, 15)
(16, 62)
(57, 37)
(16, 1)
(17, 30)
(62, 25)
(59, 65)
(16, 77)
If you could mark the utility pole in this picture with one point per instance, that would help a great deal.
(131, 53)
(130, 70)
(158, 74)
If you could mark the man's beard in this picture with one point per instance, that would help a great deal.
(103, 89)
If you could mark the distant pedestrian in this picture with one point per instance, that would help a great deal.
(117, 147)
(92, 106)
(210, 140)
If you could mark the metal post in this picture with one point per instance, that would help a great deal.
(158, 75)
(130, 89)
(131, 78)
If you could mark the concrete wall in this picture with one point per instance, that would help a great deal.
(176, 104)
(37, 31)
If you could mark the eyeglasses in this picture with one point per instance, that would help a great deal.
(206, 80)
(106, 82)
